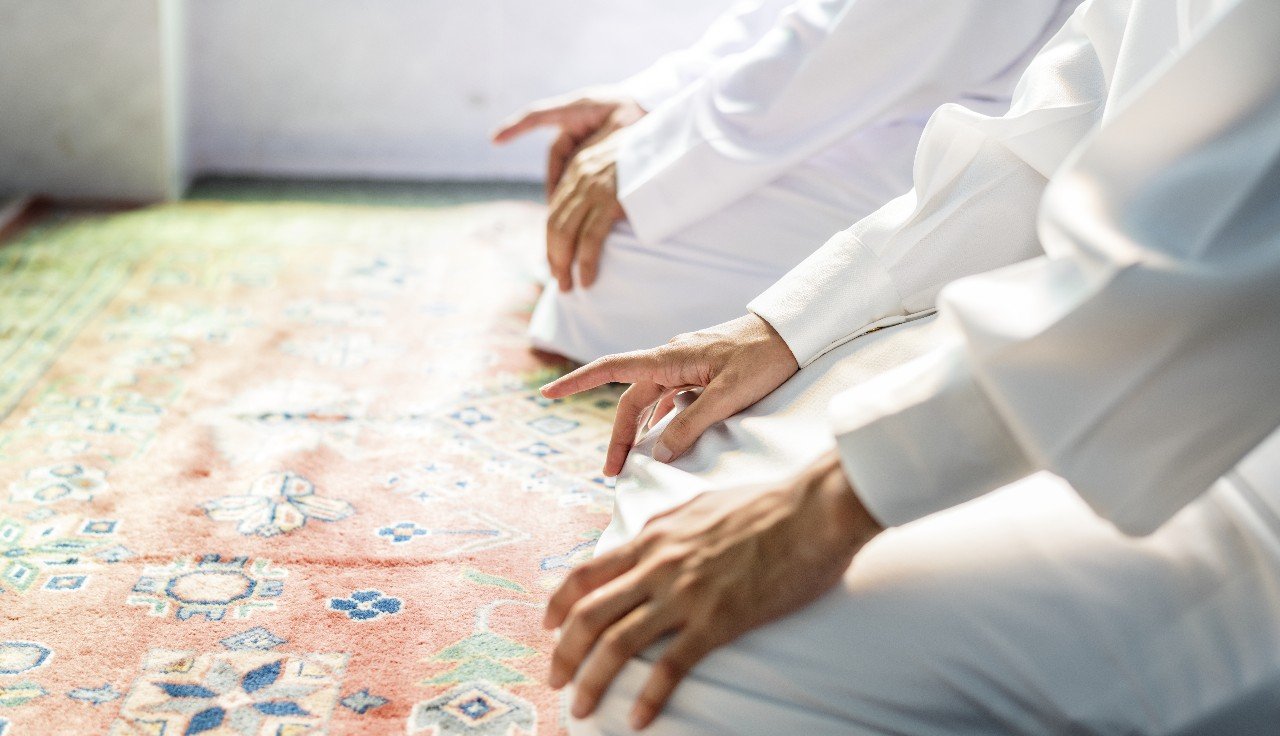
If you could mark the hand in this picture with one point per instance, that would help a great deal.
(735, 364)
(707, 571)
(584, 207)
(580, 116)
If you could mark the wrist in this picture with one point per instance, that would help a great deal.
(849, 519)
(773, 342)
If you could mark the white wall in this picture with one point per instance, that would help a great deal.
(403, 88)
(129, 98)
(85, 110)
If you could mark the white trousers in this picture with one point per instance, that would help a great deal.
(647, 293)
(1020, 612)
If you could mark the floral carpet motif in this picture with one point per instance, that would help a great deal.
(282, 468)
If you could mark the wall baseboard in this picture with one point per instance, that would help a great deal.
(14, 213)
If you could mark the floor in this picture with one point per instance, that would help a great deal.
(272, 460)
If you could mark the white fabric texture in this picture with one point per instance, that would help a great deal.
(829, 74)
(1019, 613)
(812, 127)
(736, 30)
(646, 293)
(1137, 357)
(978, 183)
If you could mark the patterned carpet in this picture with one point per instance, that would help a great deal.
(281, 468)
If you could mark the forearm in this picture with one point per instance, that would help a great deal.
(826, 71)
(734, 31)
(1134, 360)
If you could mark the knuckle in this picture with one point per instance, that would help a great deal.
(668, 560)
(561, 660)
(723, 606)
(617, 643)
(678, 430)
(684, 338)
(557, 259)
(589, 616)
(654, 533)
(576, 578)
(688, 588)
(671, 667)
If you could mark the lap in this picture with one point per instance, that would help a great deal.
(648, 292)
(1020, 612)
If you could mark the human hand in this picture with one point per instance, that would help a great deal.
(708, 571)
(592, 112)
(736, 364)
(583, 209)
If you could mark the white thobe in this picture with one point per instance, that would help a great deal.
(732, 181)
(736, 30)
(1040, 372)
(1136, 358)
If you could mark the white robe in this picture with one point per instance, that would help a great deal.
(776, 140)
(1136, 359)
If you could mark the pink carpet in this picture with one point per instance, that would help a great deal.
(282, 469)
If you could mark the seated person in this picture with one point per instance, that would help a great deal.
(923, 572)
(788, 121)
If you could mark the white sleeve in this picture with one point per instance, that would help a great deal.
(826, 70)
(736, 30)
(1139, 357)
(978, 182)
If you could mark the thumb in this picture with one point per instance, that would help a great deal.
(714, 404)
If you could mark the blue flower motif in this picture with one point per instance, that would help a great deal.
(207, 701)
(471, 416)
(365, 605)
(404, 531)
(540, 449)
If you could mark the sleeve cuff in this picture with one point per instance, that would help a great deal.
(842, 284)
(657, 196)
(652, 87)
(923, 438)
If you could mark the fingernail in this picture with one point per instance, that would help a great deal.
(581, 708)
(662, 453)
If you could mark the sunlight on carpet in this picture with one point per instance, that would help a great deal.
(282, 468)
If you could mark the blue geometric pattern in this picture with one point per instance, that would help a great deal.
(363, 701)
(471, 416)
(474, 709)
(94, 696)
(66, 582)
(553, 425)
(17, 657)
(366, 605)
(403, 531)
(257, 638)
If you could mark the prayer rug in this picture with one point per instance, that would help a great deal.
(283, 468)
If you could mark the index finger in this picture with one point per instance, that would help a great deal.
(585, 578)
(621, 368)
(525, 122)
